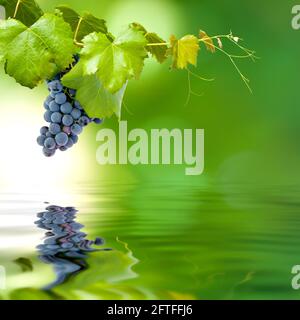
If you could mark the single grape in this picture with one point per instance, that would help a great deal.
(58, 215)
(40, 140)
(49, 134)
(48, 100)
(72, 92)
(47, 116)
(76, 238)
(40, 214)
(61, 139)
(44, 130)
(84, 121)
(63, 148)
(77, 105)
(54, 128)
(76, 226)
(53, 106)
(60, 98)
(57, 229)
(56, 117)
(46, 106)
(48, 153)
(55, 86)
(76, 129)
(54, 208)
(51, 240)
(50, 143)
(59, 221)
(76, 114)
(47, 215)
(66, 108)
(99, 241)
(70, 143)
(97, 120)
(67, 120)
(74, 138)
(66, 129)
(67, 245)
(52, 246)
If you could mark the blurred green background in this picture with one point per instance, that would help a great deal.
(229, 233)
(248, 137)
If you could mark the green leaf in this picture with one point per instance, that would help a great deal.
(157, 51)
(29, 294)
(39, 52)
(82, 25)
(25, 264)
(26, 11)
(9, 29)
(114, 62)
(96, 100)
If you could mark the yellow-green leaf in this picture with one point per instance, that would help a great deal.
(156, 45)
(184, 51)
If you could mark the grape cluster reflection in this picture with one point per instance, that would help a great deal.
(65, 246)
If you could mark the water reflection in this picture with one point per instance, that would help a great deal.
(64, 246)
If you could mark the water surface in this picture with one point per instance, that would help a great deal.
(168, 241)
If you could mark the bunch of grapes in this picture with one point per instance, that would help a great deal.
(66, 118)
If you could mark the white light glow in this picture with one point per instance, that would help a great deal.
(27, 177)
(23, 168)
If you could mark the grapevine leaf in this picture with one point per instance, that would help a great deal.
(184, 51)
(159, 51)
(82, 25)
(96, 100)
(9, 29)
(114, 62)
(36, 53)
(208, 41)
(26, 11)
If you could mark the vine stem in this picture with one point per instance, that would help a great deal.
(206, 40)
(157, 44)
(80, 44)
(191, 92)
(17, 8)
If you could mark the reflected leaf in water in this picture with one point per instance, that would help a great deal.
(65, 246)
(24, 263)
(33, 294)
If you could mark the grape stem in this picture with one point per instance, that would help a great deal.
(17, 8)
(78, 44)
(76, 32)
